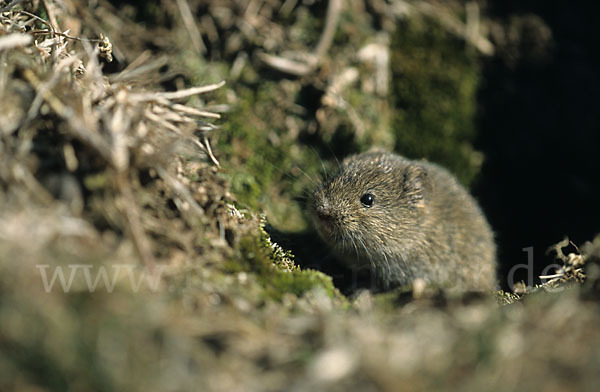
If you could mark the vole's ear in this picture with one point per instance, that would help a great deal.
(416, 185)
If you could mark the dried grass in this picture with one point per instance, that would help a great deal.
(59, 91)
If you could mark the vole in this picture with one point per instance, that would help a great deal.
(404, 220)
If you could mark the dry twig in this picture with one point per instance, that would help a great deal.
(190, 25)
(311, 60)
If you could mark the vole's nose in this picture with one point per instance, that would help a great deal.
(323, 212)
(322, 207)
(324, 215)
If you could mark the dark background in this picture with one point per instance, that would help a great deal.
(539, 129)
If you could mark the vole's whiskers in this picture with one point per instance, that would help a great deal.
(362, 242)
(387, 263)
(403, 259)
(312, 180)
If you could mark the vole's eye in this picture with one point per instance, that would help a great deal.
(367, 199)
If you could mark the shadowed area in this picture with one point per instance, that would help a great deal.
(539, 128)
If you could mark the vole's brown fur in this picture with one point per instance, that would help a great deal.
(421, 224)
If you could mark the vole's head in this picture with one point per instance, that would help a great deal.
(375, 201)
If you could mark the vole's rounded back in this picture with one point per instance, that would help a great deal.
(404, 220)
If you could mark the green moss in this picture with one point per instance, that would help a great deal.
(306, 27)
(244, 139)
(297, 283)
(97, 181)
(389, 301)
(375, 116)
(282, 259)
(435, 80)
(267, 166)
(275, 270)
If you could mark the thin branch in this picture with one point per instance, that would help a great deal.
(36, 18)
(51, 15)
(334, 8)
(194, 111)
(455, 26)
(208, 149)
(52, 32)
(137, 67)
(10, 6)
(178, 94)
(313, 59)
(190, 25)
(283, 64)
